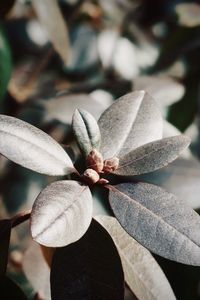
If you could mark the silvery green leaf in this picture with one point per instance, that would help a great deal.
(37, 271)
(188, 14)
(157, 87)
(61, 213)
(142, 273)
(181, 178)
(86, 131)
(152, 156)
(158, 221)
(32, 148)
(131, 121)
(51, 18)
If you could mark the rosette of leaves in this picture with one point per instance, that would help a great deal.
(126, 141)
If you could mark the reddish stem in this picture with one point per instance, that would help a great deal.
(20, 218)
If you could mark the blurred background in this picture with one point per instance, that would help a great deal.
(56, 56)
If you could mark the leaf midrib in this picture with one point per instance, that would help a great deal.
(36, 146)
(131, 126)
(152, 213)
(62, 213)
(144, 156)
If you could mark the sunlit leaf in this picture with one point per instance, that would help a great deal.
(61, 213)
(158, 221)
(86, 131)
(133, 120)
(152, 156)
(37, 270)
(88, 269)
(142, 273)
(63, 107)
(157, 87)
(32, 148)
(50, 16)
(181, 178)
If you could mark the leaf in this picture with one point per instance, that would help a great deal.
(30, 147)
(47, 254)
(5, 231)
(61, 213)
(5, 63)
(133, 120)
(188, 14)
(50, 16)
(157, 87)
(158, 221)
(181, 178)
(37, 270)
(84, 53)
(86, 131)
(142, 273)
(152, 156)
(10, 290)
(63, 107)
(88, 269)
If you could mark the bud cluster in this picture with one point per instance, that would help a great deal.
(96, 165)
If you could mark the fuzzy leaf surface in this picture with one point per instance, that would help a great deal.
(133, 120)
(51, 18)
(61, 213)
(32, 148)
(152, 156)
(86, 131)
(147, 283)
(88, 269)
(158, 221)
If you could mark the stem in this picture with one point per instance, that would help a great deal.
(20, 218)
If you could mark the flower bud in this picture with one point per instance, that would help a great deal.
(94, 161)
(91, 176)
(111, 164)
(103, 181)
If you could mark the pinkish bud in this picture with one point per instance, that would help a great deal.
(103, 181)
(91, 176)
(94, 161)
(111, 164)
